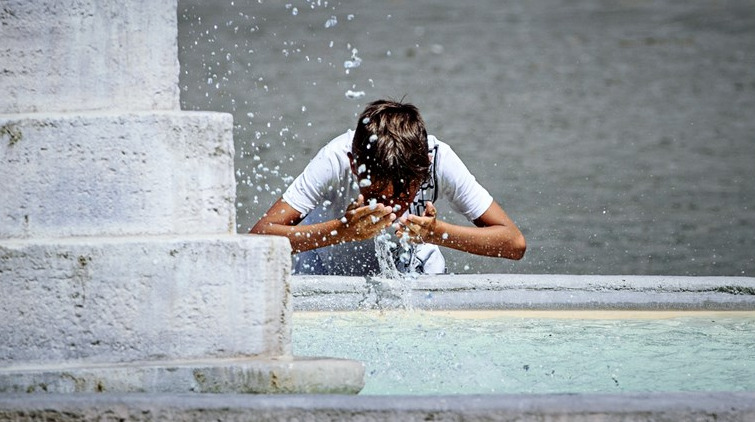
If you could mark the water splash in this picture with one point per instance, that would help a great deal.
(390, 279)
(384, 247)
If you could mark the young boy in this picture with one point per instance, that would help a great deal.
(387, 172)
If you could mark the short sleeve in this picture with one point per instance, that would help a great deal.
(309, 188)
(459, 186)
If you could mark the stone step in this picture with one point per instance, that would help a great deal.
(122, 299)
(737, 406)
(101, 174)
(248, 375)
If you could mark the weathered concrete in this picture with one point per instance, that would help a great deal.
(671, 407)
(69, 55)
(530, 291)
(122, 299)
(249, 375)
(130, 173)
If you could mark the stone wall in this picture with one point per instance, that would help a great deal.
(88, 55)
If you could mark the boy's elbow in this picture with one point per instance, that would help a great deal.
(520, 247)
(258, 228)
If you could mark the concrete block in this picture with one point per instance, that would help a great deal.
(124, 299)
(74, 55)
(116, 174)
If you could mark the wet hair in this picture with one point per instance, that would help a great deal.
(391, 143)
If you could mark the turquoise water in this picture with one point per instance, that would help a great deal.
(415, 352)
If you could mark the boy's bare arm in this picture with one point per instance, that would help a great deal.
(359, 223)
(495, 233)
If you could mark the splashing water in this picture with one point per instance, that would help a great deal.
(390, 253)
(384, 249)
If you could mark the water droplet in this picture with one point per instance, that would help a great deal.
(333, 21)
(355, 94)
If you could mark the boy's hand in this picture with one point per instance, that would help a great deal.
(419, 229)
(363, 222)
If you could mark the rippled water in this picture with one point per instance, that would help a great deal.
(467, 353)
(618, 135)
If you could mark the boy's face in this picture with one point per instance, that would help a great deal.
(384, 194)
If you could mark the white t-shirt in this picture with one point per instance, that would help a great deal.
(326, 187)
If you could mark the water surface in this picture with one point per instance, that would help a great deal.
(420, 352)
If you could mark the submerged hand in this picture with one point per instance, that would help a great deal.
(363, 222)
(418, 229)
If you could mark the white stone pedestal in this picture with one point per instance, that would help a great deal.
(120, 269)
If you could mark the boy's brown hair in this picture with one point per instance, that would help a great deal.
(391, 142)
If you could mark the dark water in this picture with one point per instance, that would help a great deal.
(619, 135)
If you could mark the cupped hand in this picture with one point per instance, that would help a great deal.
(363, 222)
(418, 229)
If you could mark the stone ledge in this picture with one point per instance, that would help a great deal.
(721, 407)
(254, 375)
(530, 291)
